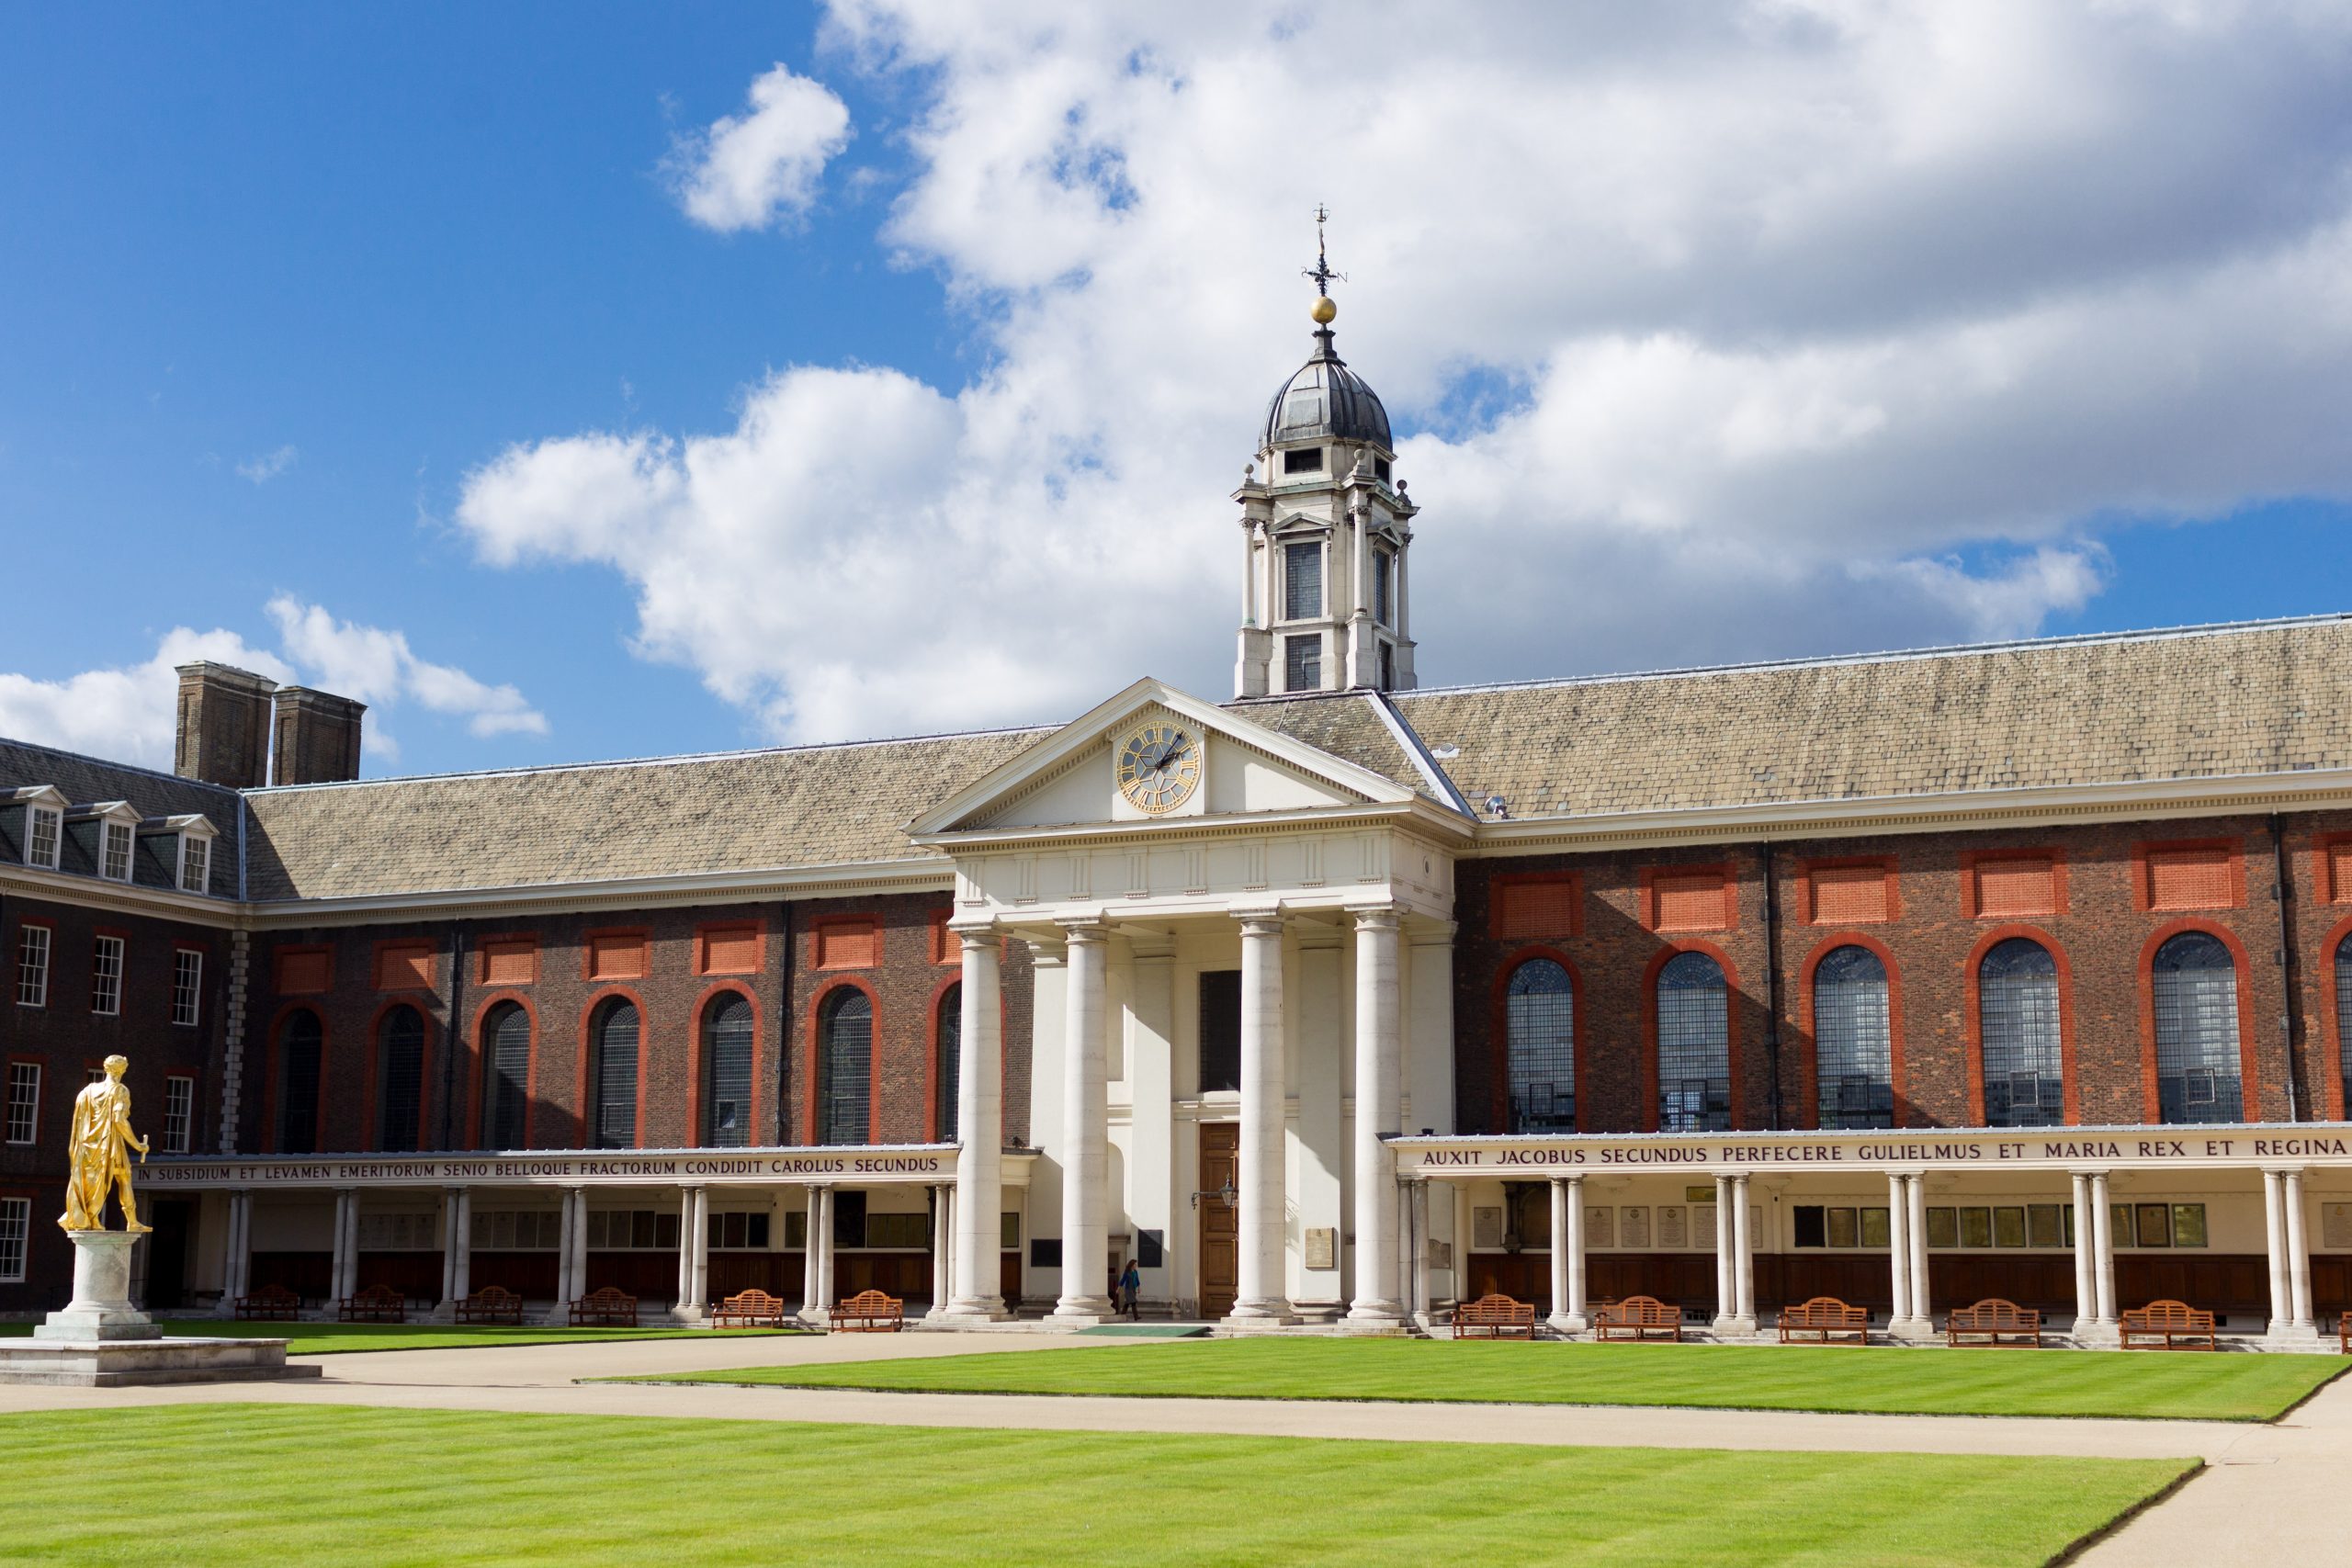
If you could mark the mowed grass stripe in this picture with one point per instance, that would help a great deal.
(326, 1486)
(2179, 1386)
(331, 1339)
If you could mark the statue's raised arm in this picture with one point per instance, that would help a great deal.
(99, 1153)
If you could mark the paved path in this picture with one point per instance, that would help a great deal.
(540, 1378)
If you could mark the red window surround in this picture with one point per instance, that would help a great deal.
(511, 959)
(1536, 906)
(2012, 884)
(2189, 873)
(1649, 1027)
(730, 947)
(615, 954)
(847, 942)
(304, 971)
(404, 965)
(1690, 898)
(2248, 1058)
(1855, 890)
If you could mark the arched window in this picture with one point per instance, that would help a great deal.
(727, 1090)
(299, 1041)
(2195, 986)
(951, 1058)
(1539, 1024)
(2343, 1005)
(845, 1071)
(400, 1078)
(1853, 1055)
(2016, 1017)
(612, 1075)
(1694, 1046)
(506, 1075)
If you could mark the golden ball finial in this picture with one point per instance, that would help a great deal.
(1325, 310)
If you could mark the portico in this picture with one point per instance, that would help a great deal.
(1263, 963)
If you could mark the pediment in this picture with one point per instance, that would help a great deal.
(1071, 778)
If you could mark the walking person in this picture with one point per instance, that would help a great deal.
(1131, 1289)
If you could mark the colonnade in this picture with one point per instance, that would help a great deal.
(1262, 1293)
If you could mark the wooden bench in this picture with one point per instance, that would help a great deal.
(491, 1303)
(1497, 1317)
(377, 1303)
(748, 1309)
(271, 1302)
(1827, 1320)
(869, 1312)
(2344, 1334)
(1994, 1321)
(610, 1307)
(2165, 1326)
(1637, 1317)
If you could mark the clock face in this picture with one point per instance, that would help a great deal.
(1160, 767)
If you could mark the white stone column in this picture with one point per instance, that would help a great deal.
(2274, 1230)
(1423, 1296)
(685, 1248)
(1744, 1254)
(698, 1255)
(2299, 1257)
(241, 1245)
(461, 1244)
(1264, 1110)
(2086, 1257)
(979, 1291)
(1086, 1129)
(1898, 1251)
(339, 1268)
(1922, 1318)
(1379, 1076)
(820, 1253)
(1724, 1289)
(2103, 1253)
(573, 1269)
(1559, 1255)
(1575, 1319)
(943, 1234)
(811, 1287)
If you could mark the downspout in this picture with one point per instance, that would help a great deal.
(2282, 893)
(1771, 989)
(456, 1035)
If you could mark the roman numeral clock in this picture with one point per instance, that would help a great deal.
(1160, 767)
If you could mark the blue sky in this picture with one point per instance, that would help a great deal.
(279, 279)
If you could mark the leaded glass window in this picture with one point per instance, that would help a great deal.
(1540, 1024)
(951, 1058)
(1852, 1038)
(1694, 1046)
(2195, 984)
(2017, 1001)
(727, 1049)
(506, 1047)
(1302, 581)
(1303, 663)
(845, 1083)
(613, 1039)
(400, 1083)
(299, 1039)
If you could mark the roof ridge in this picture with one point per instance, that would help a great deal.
(662, 761)
(1949, 650)
(138, 768)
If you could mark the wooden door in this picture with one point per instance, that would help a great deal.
(1221, 1251)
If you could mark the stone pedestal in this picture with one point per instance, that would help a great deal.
(101, 1307)
(99, 1340)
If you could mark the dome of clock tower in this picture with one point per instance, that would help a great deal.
(1325, 400)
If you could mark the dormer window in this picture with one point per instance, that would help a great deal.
(44, 829)
(196, 862)
(1303, 460)
(114, 851)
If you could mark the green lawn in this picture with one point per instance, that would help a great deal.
(326, 1338)
(328, 1485)
(1906, 1382)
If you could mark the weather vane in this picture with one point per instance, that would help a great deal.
(1321, 275)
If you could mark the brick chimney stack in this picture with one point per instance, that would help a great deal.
(317, 738)
(222, 736)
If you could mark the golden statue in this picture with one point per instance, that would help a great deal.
(99, 1153)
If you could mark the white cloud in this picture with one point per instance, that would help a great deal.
(1802, 325)
(128, 714)
(125, 714)
(269, 464)
(761, 168)
(377, 667)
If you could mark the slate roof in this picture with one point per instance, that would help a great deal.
(86, 781)
(1348, 725)
(2202, 703)
(741, 811)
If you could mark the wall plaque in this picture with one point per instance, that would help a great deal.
(1601, 1227)
(1322, 1247)
(2335, 1225)
(1634, 1226)
(1487, 1227)
(1670, 1228)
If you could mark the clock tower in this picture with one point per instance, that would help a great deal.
(1326, 526)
